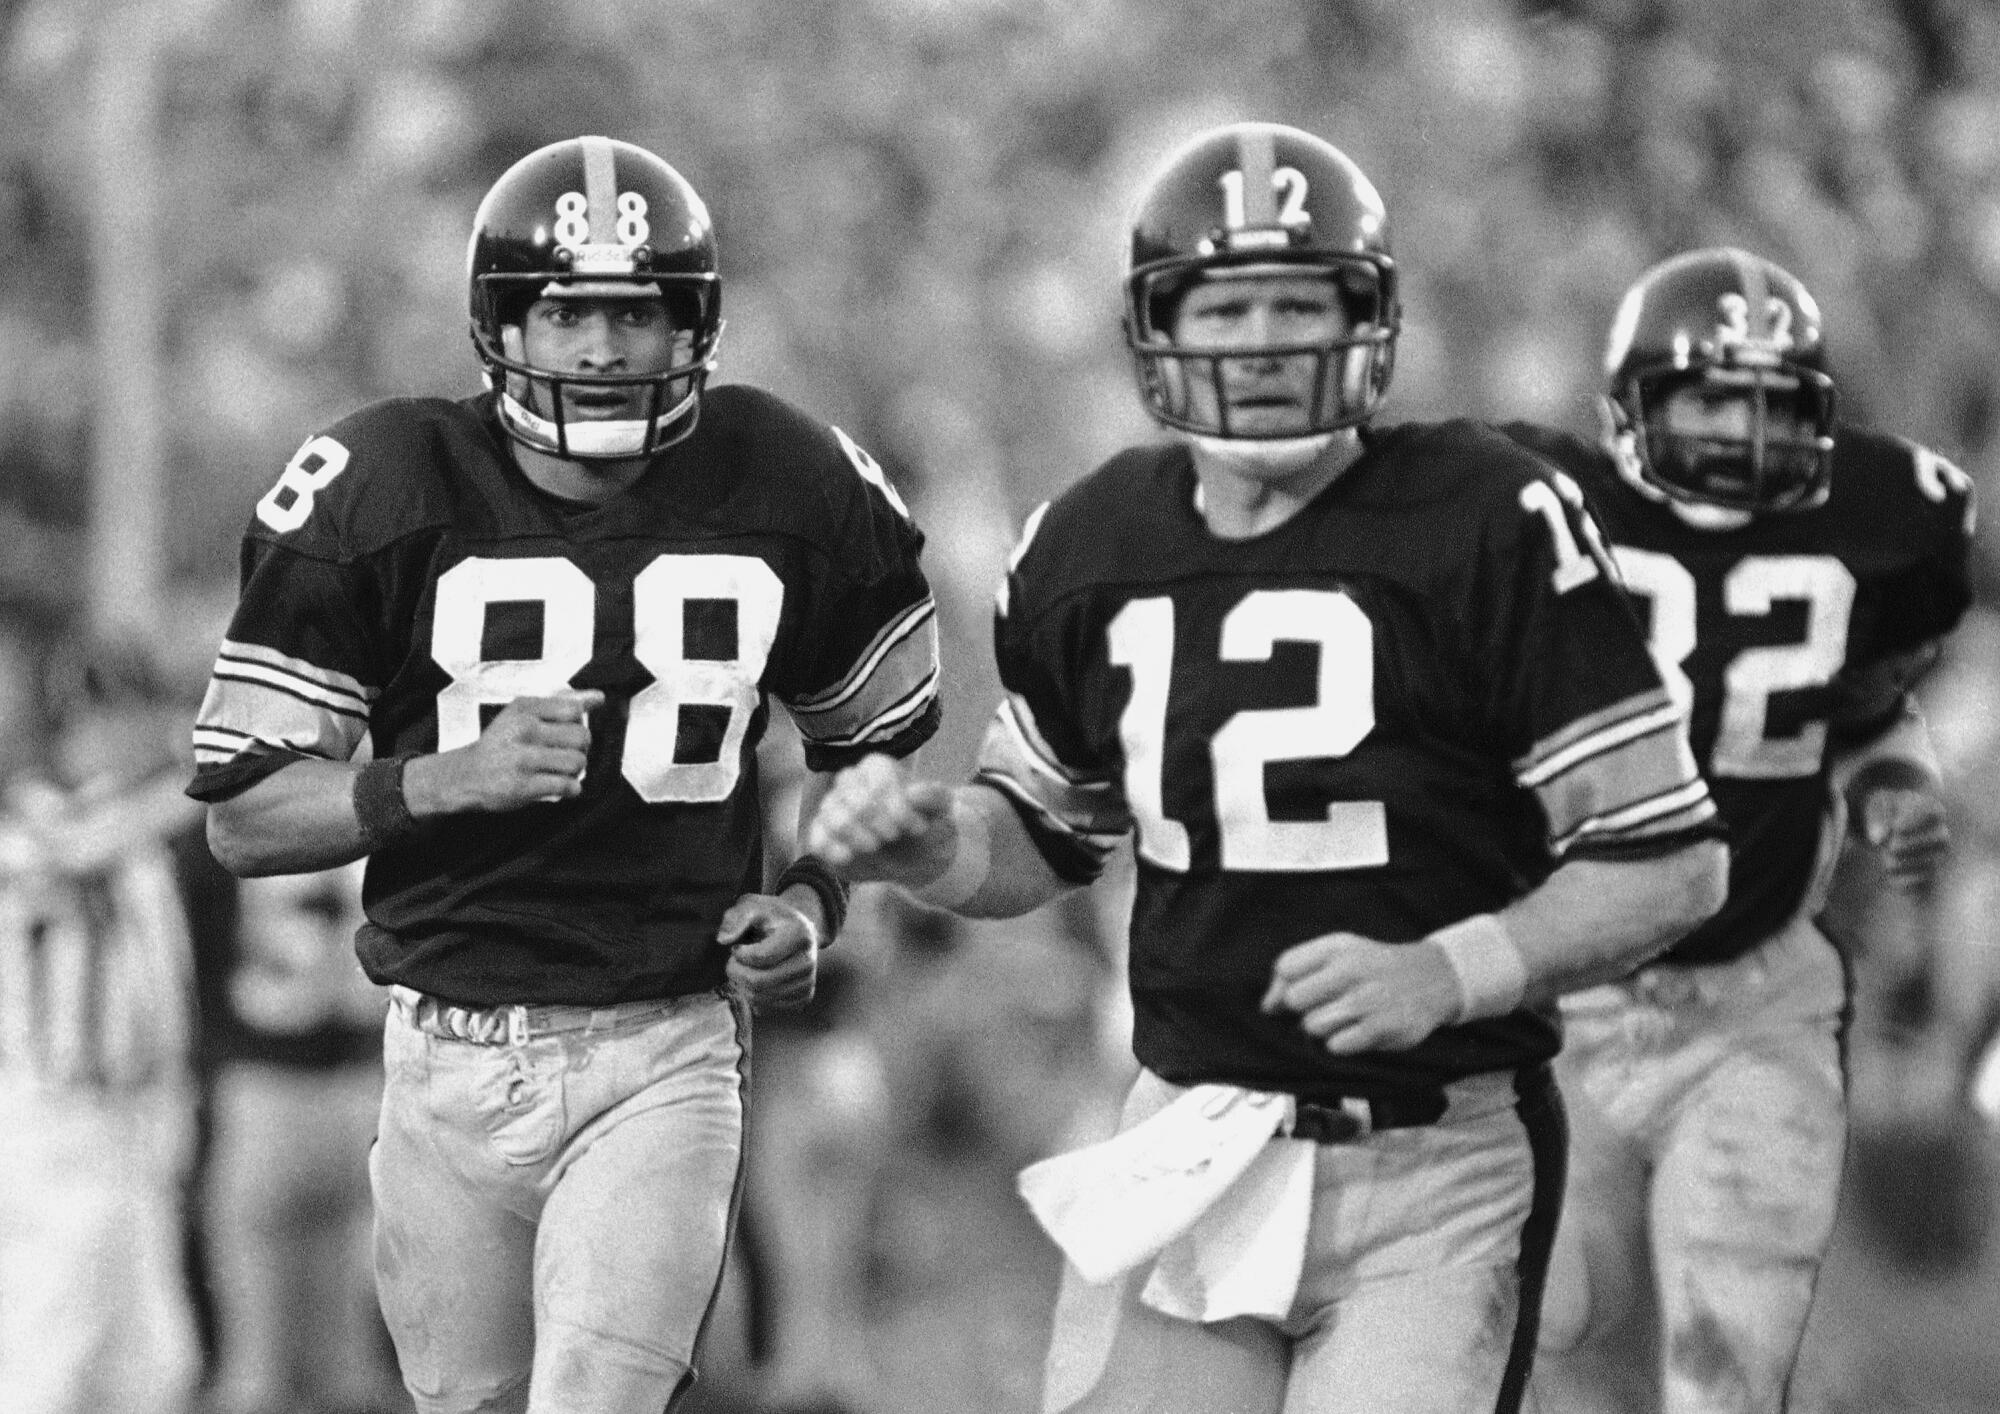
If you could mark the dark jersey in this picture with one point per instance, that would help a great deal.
(404, 580)
(1395, 710)
(1759, 629)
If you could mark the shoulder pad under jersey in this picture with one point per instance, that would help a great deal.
(1906, 501)
(376, 475)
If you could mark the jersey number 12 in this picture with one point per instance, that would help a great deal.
(1355, 833)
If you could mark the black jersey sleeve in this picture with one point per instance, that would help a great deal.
(1925, 598)
(1570, 686)
(1035, 752)
(299, 666)
(862, 675)
(290, 678)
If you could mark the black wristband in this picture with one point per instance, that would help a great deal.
(379, 806)
(816, 874)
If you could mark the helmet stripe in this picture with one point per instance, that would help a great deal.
(600, 190)
(1757, 290)
(1260, 159)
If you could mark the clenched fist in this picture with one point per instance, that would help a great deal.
(875, 824)
(773, 952)
(533, 751)
(1355, 994)
(1896, 809)
(1908, 829)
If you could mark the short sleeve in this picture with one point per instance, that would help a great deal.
(864, 674)
(1034, 752)
(1572, 690)
(294, 676)
(1926, 599)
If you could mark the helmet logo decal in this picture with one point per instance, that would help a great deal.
(573, 232)
(1236, 213)
(1735, 339)
(601, 227)
(1259, 196)
(632, 228)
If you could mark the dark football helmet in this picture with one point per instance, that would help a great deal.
(1729, 324)
(1251, 195)
(593, 216)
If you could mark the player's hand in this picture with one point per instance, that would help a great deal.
(534, 750)
(875, 824)
(773, 952)
(1906, 826)
(1356, 994)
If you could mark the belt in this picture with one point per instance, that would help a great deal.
(1351, 1117)
(519, 1023)
(1345, 1118)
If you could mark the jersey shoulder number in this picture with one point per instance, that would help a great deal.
(365, 480)
(871, 471)
(1942, 480)
(289, 503)
(1575, 539)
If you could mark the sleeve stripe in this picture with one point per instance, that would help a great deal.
(1087, 810)
(885, 723)
(1099, 842)
(293, 687)
(1687, 805)
(857, 677)
(1555, 757)
(1019, 720)
(248, 656)
(900, 684)
(239, 713)
(214, 746)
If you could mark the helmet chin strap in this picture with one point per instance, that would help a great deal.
(590, 440)
(1280, 454)
(1710, 517)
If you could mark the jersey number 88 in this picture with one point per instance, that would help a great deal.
(660, 595)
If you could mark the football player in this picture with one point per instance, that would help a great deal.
(557, 612)
(1398, 770)
(1797, 575)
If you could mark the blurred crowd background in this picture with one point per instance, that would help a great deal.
(224, 223)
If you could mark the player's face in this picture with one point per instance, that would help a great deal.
(1264, 393)
(603, 335)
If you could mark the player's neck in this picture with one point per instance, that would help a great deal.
(592, 482)
(1237, 497)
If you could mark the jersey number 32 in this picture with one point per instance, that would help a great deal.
(1743, 747)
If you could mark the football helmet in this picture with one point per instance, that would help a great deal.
(1261, 194)
(1728, 324)
(593, 217)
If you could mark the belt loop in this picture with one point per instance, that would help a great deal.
(517, 1025)
(1361, 1112)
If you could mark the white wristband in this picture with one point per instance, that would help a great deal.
(971, 862)
(1492, 975)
